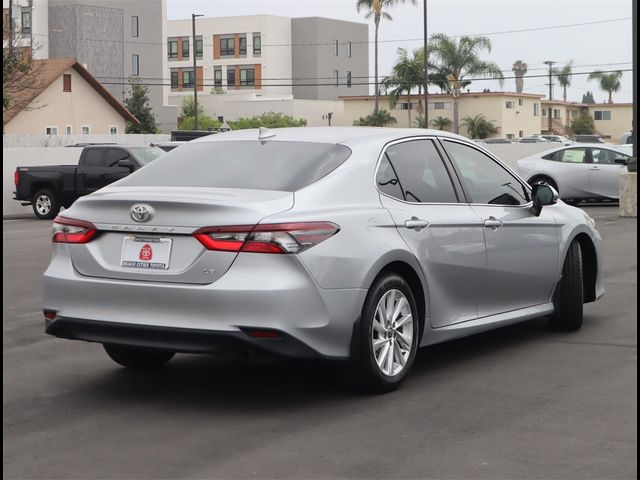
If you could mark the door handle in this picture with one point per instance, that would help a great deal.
(595, 168)
(493, 223)
(416, 223)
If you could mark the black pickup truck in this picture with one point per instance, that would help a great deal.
(49, 188)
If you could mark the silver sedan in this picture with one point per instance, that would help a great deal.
(354, 244)
(578, 172)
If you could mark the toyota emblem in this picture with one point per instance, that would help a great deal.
(141, 213)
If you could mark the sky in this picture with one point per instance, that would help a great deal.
(599, 46)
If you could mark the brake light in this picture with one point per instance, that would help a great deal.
(69, 230)
(16, 177)
(267, 238)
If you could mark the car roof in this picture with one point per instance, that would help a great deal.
(329, 134)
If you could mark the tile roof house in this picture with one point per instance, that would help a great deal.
(59, 96)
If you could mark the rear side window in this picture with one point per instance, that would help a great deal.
(94, 157)
(271, 165)
(413, 171)
(574, 155)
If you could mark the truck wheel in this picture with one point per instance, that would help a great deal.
(45, 204)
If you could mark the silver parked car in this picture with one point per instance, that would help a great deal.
(578, 172)
(353, 244)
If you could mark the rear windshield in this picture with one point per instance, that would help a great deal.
(274, 165)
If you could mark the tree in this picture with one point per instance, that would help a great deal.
(609, 82)
(407, 73)
(205, 122)
(188, 108)
(379, 118)
(138, 104)
(584, 124)
(454, 61)
(520, 70)
(441, 123)
(563, 76)
(377, 10)
(588, 98)
(267, 120)
(479, 126)
(19, 73)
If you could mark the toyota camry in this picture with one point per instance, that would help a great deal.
(357, 245)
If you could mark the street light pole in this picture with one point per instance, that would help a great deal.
(195, 75)
(550, 63)
(426, 63)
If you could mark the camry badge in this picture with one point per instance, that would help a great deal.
(140, 213)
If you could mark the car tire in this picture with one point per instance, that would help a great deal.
(138, 358)
(568, 299)
(45, 204)
(383, 349)
(545, 181)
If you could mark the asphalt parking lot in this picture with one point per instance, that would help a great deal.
(520, 402)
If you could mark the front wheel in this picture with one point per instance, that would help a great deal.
(385, 343)
(45, 204)
(137, 358)
(568, 298)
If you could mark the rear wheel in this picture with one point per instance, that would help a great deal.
(45, 204)
(385, 344)
(568, 298)
(137, 358)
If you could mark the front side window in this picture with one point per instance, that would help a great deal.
(486, 181)
(172, 48)
(227, 46)
(608, 157)
(114, 155)
(94, 157)
(414, 172)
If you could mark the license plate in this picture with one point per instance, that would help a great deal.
(146, 252)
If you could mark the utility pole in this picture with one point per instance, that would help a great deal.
(195, 75)
(633, 164)
(426, 63)
(329, 115)
(550, 63)
(10, 27)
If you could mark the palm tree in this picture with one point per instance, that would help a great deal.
(379, 118)
(457, 60)
(563, 75)
(520, 70)
(406, 74)
(479, 126)
(609, 82)
(376, 9)
(441, 123)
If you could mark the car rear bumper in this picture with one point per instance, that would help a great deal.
(259, 291)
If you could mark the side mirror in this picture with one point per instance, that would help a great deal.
(542, 195)
(620, 161)
(126, 163)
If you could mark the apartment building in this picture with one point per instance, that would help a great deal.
(29, 20)
(247, 65)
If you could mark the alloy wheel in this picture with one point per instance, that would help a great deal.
(43, 204)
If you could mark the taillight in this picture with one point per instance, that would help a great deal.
(68, 230)
(16, 177)
(267, 238)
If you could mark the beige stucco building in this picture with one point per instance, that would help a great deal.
(514, 114)
(61, 97)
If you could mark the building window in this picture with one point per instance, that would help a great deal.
(135, 64)
(602, 115)
(217, 77)
(231, 76)
(113, 129)
(556, 113)
(198, 47)
(247, 76)
(438, 105)
(174, 79)
(257, 44)
(242, 45)
(510, 136)
(348, 49)
(68, 130)
(51, 130)
(536, 109)
(348, 79)
(335, 48)
(185, 48)
(520, 102)
(66, 82)
(544, 112)
(227, 46)
(85, 129)
(520, 133)
(26, 20)
(405, 106)
(134, 27)
(336, 77)
(510, 104)
(172, 48)
(187, 78)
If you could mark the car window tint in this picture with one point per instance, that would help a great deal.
(94, 157)
(250, 164)
(114, 155)
(486, 181)
(414, 171)
(574, 155)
